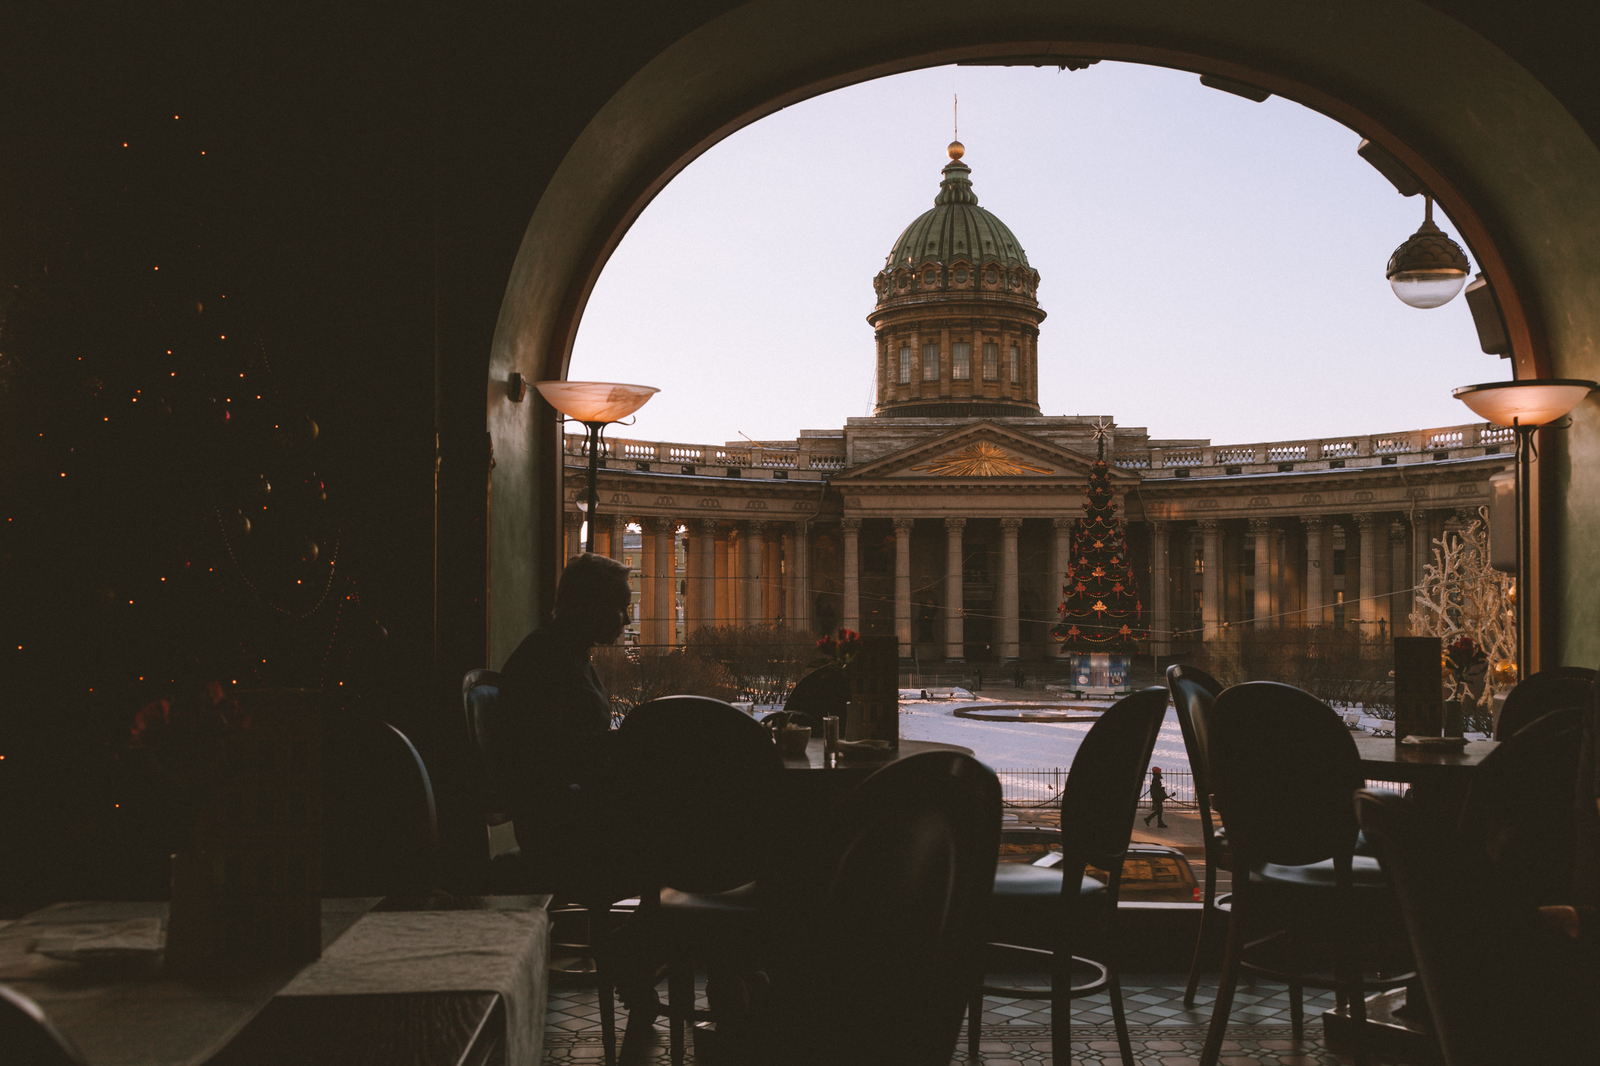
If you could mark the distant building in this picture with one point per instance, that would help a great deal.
(943, 518)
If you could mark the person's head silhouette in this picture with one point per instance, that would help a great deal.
(594, 601)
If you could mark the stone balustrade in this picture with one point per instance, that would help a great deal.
(1331, 453)
(800, 460)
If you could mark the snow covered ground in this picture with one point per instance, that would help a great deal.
(1022, 745)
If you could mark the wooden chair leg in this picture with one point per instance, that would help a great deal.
(1061, 1006)
(1208, 908)
(680, 1006)
(602, 974)
(1225, 986)
(1297, 1007)
(974, 1020)
(1118, 1015)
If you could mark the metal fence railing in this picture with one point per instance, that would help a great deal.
(1042, 787)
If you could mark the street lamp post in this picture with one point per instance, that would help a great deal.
(596, 404)
(1524, 406)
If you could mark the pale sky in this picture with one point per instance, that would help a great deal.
(1211, 267)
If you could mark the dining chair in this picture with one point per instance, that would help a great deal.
(877, 970)
(1521, 811)
(1193, 692)
(1284, 770)
(1543, 692)
(1501, 985)
(480, 697)
(27, 1037)
(380, 819)
(510, 872)
(1099, 801)
(698, 777)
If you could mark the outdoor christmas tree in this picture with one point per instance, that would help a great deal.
(1100, 610)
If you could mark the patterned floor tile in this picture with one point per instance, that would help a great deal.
(1017, 1032)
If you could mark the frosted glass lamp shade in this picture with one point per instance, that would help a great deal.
(1532, 402)
(1429, 268)
(594, 401)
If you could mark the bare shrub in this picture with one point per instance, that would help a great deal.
(1338, 666)
(762, 662)
(632, 676)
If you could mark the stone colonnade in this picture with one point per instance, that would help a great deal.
(706, 572)
(1352, 569)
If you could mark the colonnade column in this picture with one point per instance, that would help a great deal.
(850, 529)
(1060, 556)
(955, 648)
(1399, 600)
(1160, 612)
(572, 523)
(771, 577)
(797, 553)
(751, 572)
(1314, 614)
(723, 577)
(902, 584)
(705, 543)
(1210, 583)
(648, 565)
(1010, 645)
(1368, 522)
(1261, 530)
(691, 578)
(666, 602)
(607, 541)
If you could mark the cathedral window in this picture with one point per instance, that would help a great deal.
(1016, 364)
(905, 365)
(991, 277)
(961, 361)
(991, 361)
(961, 277)
(927, 277)
(930, 362)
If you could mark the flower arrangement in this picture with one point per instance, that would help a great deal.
(837, 653)
(182, 739)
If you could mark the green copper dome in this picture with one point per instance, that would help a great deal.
(957, 228)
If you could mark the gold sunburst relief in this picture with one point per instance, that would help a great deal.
(981, 460)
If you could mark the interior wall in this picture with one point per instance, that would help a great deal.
(1513, 166)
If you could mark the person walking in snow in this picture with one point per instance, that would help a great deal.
(1158, 797)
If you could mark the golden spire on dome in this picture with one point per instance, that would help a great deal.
(956, 149)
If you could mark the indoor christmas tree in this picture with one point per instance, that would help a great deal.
(1102, 619)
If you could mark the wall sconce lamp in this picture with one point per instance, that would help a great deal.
(1524, 406)
(1429, 268)
(596, 404)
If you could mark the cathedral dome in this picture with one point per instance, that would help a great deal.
(956, 227)
(957, 317)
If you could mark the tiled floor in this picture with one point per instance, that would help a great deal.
(1018, 1031)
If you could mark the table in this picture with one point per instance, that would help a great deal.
(458, 982)
(1440, 780)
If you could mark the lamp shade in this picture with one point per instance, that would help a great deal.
(1531, 402)
(594, 401)
(1429, 268)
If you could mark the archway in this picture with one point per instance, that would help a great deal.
(1505, 159)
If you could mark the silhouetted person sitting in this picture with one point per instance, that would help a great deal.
(557, 726)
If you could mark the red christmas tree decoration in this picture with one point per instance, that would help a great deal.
(1101, 610)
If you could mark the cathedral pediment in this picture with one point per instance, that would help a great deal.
(977, 453)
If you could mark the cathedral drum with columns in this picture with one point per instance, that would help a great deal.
(946, 518)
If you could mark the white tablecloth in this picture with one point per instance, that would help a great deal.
(142, 1017)
(446, 951)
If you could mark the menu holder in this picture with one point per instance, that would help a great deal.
(875, 692)
(1418, 692)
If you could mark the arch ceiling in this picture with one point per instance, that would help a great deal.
(1511, 166)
